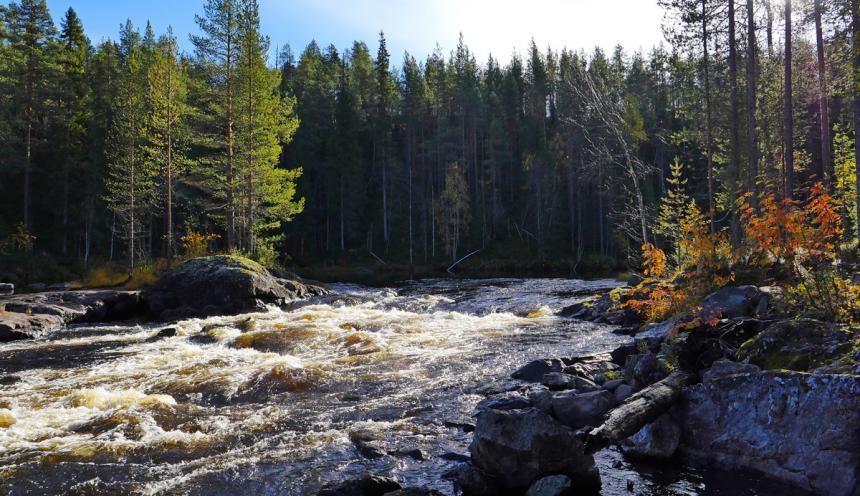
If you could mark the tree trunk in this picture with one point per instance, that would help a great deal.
(734, 164)
(231, 212)
(170, 160)
(826, 159)
(249, 216)
(638, 411)
(856, 48)
(709, 134)
(752, 143)
(789, 110)
(769, 7)
(132, 219)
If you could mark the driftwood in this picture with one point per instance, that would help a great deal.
(637, 411)
(462, 259)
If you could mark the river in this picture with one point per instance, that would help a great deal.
(270, 403)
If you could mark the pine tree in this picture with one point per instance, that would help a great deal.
(167, 129)
(219, 50)
(31, 33)
(264, 120)
(131, 179)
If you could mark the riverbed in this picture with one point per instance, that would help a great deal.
(276, 402)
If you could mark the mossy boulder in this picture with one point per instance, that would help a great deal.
(800, 345)
(221, 285)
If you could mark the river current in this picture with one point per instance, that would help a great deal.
(273, 403)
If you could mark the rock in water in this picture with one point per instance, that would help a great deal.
(6, 289)
(369, 485)
(512, 449)
(796, 427)
(657, 440)
(578, 410)
(221, 285)
(535, 370)
(554, 485)
(415, 491)
(28, 316)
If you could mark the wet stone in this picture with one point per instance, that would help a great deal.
(8, 380)
(507, 401)
(414, 453)
(370, 450)
(535, 370)
(453, 456)
(369, 485)
(554, 485)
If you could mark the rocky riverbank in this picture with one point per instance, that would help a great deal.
(218, 285)
(729, 385)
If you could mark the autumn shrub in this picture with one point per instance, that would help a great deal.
(105, 277)
(196, 244)
(143, 276)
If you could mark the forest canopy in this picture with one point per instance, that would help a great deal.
(131, 150)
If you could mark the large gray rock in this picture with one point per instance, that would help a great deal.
(731, 302)
(558, 381)
(511, 450)
(554, 485)
(369, 485)
(801, 345)
(577, 410)
(221, 285)
(800, 428)
(725, 368)
(649, 369)
(654, 334)
(656, 441)
(28, 316)
(536, 369)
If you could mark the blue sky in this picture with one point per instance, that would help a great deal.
(489, 26)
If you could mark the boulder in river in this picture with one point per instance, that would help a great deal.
(513, 449)
(221, 285)
(577, 410)
(27, 316)
(649, 369)
(369, 485)
(553, 485)
(656, 441)
(797, 427)
(536, 369)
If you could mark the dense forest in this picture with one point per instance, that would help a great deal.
(132, 151)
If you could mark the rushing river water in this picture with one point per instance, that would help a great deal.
(271, 403)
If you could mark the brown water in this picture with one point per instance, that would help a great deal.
(270, 403)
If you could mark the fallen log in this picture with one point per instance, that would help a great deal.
(637, 411)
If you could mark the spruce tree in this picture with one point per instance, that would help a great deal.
(31, 34)
(74, 114)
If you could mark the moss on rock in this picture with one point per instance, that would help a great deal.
(799, 345)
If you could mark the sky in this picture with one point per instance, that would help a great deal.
(489, 26)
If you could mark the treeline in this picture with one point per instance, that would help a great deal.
(562, 155)
(115, 151)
